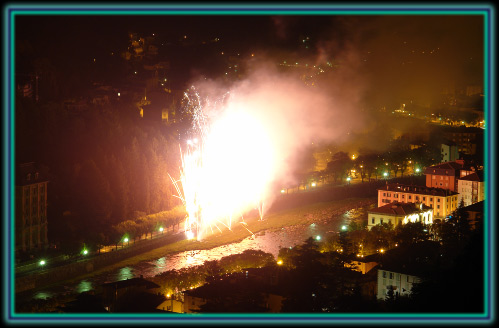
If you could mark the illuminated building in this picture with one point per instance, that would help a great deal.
(402, 213)
(31, 208)
(445, 175)
(471, 188)
(443, 201)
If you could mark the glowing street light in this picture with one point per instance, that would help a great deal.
(318, 238)
(344, 227)
(161, 229)
(314, 184)
(42, 262)
(385, 174)
(279, 262)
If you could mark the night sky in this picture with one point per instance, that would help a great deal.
(414, 56)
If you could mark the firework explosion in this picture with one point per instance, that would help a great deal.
(226, 168)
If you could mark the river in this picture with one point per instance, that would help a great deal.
(267, 241)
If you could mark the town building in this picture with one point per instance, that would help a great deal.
(449, 152)
(445, 175)
(471, 188)
(468, 139)
(114, 292)
(442, 201)
(475, 214)
(394, 280)
(400, 213)
(31, 208)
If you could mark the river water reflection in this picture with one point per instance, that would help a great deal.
(267, 241)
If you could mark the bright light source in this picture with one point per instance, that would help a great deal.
(417, 170)
(313, 184)
(344, 227)
(348, 179)
(382, 250)
(189, 234)
(42, 262)
(119, 94)
(385, 174)
(283, 191)
(318, 238)
(85, 252)
(126, 240)
(279, 262)
(161, 229)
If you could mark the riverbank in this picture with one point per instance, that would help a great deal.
(313, 213)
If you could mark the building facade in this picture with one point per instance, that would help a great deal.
(400, 283)
(400, 213)
(31, 209)
(449, 152)
(471, 189)
(442, 201)
(445, 175)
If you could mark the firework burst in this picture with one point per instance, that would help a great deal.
(226, 165)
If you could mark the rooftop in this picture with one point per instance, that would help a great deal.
(398, 208)
(477, 176)
(421, 190)
(131, 282)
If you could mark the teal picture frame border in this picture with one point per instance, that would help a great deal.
(11, 11)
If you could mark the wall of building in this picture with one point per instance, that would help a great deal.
(442, 205)
(401, 283)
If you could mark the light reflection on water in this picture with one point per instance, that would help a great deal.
(268, 241)
(84, 286)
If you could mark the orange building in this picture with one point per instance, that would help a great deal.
(445, 175)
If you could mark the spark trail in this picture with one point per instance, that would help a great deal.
(226, 166)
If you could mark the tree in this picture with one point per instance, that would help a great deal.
(339, 165)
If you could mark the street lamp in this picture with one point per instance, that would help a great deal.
(348, 179)
(42, 262)
(161, 230)
(385, 174)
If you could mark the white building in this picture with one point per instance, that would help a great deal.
(471, 188)
(390, 279)
(398, 212)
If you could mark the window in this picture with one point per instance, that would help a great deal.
(391, 275)
(438, 206)
(384, 194)
(431, 199)
(441, 177)
(410, 197)
(384, 274)
(438, 200)
(403, 196)
(381, 221)
(373, 220)
(417, 197)
(424, 199)
(389, 221)
(396, 195)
